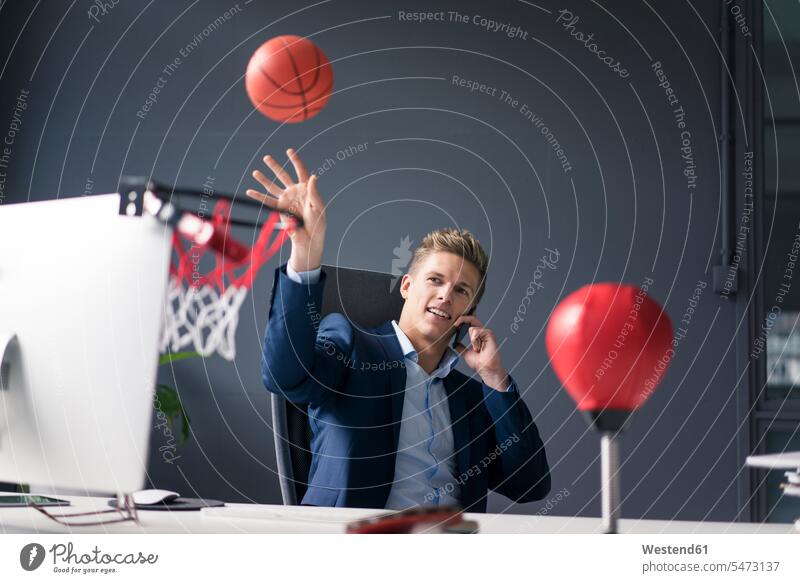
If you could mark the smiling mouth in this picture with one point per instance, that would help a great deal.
(438, 313)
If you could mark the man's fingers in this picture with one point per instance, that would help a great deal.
(271, 187)
(299, 167)
(312, 188)
(460, 348)
(285, 205)
(467, 319)
(481, 338)
(476, 337)
(280, 173)
(262, 198)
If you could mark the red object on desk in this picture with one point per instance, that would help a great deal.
(405, 521)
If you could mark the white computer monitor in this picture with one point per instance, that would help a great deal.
(82, 291)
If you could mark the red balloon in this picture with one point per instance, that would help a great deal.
(610, 345)
(289, 79)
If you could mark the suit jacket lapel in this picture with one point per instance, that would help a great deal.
(458, 421)
(397, 376)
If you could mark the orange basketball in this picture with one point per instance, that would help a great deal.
(289, 79)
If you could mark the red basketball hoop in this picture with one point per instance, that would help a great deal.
(202, 309)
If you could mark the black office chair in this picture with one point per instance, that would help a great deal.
(368, 300)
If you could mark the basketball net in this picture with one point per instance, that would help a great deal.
(202, 309)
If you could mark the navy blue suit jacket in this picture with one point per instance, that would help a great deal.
(353, 381)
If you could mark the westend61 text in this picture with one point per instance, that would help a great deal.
(675, 550)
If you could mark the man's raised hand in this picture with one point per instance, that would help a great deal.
(300, 199)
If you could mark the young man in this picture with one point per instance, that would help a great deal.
(394, 424)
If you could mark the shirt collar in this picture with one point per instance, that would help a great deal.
(449, 358)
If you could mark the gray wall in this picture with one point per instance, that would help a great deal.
(622, 212)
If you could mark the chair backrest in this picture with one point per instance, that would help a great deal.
(366, 298)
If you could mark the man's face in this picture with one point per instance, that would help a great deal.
(440, 290)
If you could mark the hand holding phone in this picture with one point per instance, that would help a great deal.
(461, 331)
(481, 353)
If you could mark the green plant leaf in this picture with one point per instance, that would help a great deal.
(168, 402)
(185, 424)
(175, 356)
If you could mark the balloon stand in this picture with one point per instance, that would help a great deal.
(609, 470)
(610, 423)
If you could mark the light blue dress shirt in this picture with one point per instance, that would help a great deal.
(425, 466)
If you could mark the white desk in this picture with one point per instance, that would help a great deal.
(297, 519)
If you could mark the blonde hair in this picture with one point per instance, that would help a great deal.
(459, 242)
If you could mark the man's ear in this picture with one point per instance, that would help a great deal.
(404, 283)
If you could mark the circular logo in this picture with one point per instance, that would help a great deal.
(31, 556)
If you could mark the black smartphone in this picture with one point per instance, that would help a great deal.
(461, 331)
